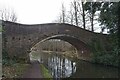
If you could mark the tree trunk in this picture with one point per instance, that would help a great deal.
(92, 18)
(63, 13)
(83, 15)
(76, 18)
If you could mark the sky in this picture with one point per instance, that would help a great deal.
(35, 11)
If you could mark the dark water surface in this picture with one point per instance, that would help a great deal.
(63, 67)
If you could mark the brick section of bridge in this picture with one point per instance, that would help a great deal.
(19, 38)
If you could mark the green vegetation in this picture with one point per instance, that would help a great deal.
(0, 28)
(0, 69)
(108, 20)
(7, 61)
(5, 58)
(100, 55)
(12, 68)
(45, 72)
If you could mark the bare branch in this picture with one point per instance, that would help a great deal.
(8, 15)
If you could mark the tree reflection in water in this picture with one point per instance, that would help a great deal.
(60, 67)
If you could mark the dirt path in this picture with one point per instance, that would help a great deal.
(33, 71)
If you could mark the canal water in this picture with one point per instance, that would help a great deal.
(64, 67)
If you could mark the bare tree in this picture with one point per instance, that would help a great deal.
(75, 6)
(79, 13)
(63, 13)
(92, 8)
(70, 16)
(83, 15)
(8, 15)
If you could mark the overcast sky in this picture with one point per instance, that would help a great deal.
(35, 11)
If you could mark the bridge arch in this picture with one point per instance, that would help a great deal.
(83, 49)
(19, 38)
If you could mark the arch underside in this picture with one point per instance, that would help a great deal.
(82, 48)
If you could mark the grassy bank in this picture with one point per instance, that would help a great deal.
(45, 72)
(15, 70)
(68, 54)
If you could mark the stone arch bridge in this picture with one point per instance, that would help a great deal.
(18, 38)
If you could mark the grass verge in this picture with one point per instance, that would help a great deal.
(45, 72)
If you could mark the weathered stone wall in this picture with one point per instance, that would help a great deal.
(20, 37)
